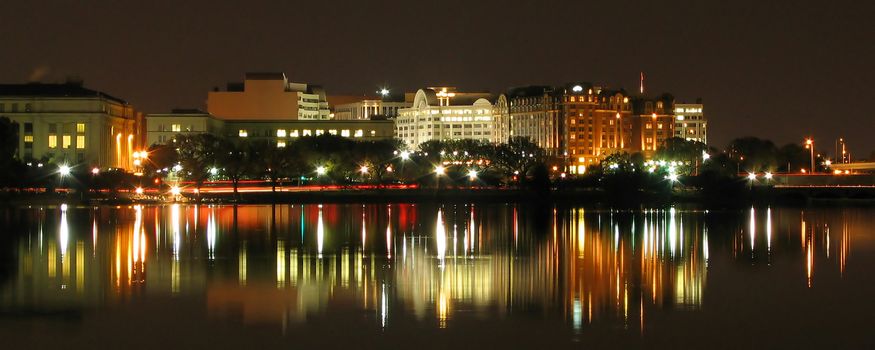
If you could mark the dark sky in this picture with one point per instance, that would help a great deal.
(775, 69)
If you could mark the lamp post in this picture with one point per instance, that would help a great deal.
(809, 144)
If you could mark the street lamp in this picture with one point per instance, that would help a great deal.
(751, 176)
(405, 155)
(64, 170)
(363, 169)
(320, 170)
(809, 144)
(439, 170)
(472, 174)
(769, 175)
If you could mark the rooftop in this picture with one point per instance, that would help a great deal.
(70, 90)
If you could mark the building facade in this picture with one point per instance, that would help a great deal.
(654, 123)
(69, 124)
(597, 123)
(690, 123)
(265, 96)
(534, 112)
(370, 108)
(444, 114)
(162, 128)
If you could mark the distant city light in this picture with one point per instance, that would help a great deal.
(64, 170)
(751, 176)
(363, 169)
(95, 171)
(769, 175)
(177, 168)
(64, 207)
(705, 155)
(405, 155)
(439, 170)
(320, 170)
(672, 177)
(139, 190)
(472, 174)
(214, 171)
(577, 88)
(384, 92)
(175, 190)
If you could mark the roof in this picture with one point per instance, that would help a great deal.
(265, 76)
(53, 90)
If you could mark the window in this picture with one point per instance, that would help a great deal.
(319, 132)
(280, 144)
(359, 133)
(28, 127)
(28, 107)
(332, 132)
(28, 138)
(80, 141)
(53, 128)
(53, 141)
(80, 127)
(176, 127)
(373, 133)
(280, 133)
(345, 132)
(66, 141)
(293, 133)
(243, 133)
(308, 132)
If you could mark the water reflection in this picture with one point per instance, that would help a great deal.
(277, 265)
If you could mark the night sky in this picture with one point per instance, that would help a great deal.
(776, 69)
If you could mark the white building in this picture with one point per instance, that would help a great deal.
(366, 109)
(444, 114)
(690, 123)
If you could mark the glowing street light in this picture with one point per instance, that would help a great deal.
(95, 171)
(472, 174)
(363, 169)
(439, 170)
(320, 170)
(384, 92)
(705, 156)
(64, 170)
(175, 190)
(405, 155)
(138, 190)
(769, 175)
(751, 176)
(672, 177)
(214, 171)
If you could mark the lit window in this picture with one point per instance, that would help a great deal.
(659, 126)
(80, 127)
(280, 144)
(373, 133)
(648, 126)
(332, 132)
(280, 133)
(176, 127)
(344, 133)
(308, 132)
(53, 141)
(66, 141)
(293, 133)
(359, 133)
(319, 132)
(28, 138)
(80, 141)
(243, 133)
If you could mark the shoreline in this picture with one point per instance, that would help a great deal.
(451, 195)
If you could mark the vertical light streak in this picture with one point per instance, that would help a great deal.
(320, 233)
(241, 265)
(441, 238)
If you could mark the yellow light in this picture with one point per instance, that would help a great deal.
(439, 170)
(364, 169)
(139, 190)
(809, 141)
(175, 190)
(653, 115)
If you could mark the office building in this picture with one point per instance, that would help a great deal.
(268, 96)
(445, 114)
(690, 123)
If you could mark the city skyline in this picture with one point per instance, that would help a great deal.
(759, 68)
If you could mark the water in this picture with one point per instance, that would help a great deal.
(433, 276)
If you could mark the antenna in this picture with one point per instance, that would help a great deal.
(641, 86)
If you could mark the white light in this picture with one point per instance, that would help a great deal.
(95, 171)
(705, 155)
(769, 175)
(320, 170)
(651, 169)
(472, 174)
(439, 170)
(364, 169)
(752, 176)
(384, 92)
(214, 171)
(139, 190)
(405, 155)
(177, 167)
(672, 177)
(64, 207)
(64, 170)
(175, 190)
(577, 88)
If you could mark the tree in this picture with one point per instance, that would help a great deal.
(688, 153)
(754, 154)
(197, 155)
(517, 156)
(8, 150)
(235, 158)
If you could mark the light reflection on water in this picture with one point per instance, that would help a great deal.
(429, 263)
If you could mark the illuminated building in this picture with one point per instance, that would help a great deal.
(444, 114)
(597, 123)
(68, 123)
(534, 112)
(690, 123)
(164, 127)
(373, 108)
(268, 96)
(654, 122)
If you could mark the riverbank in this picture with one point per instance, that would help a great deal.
(455, 195)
